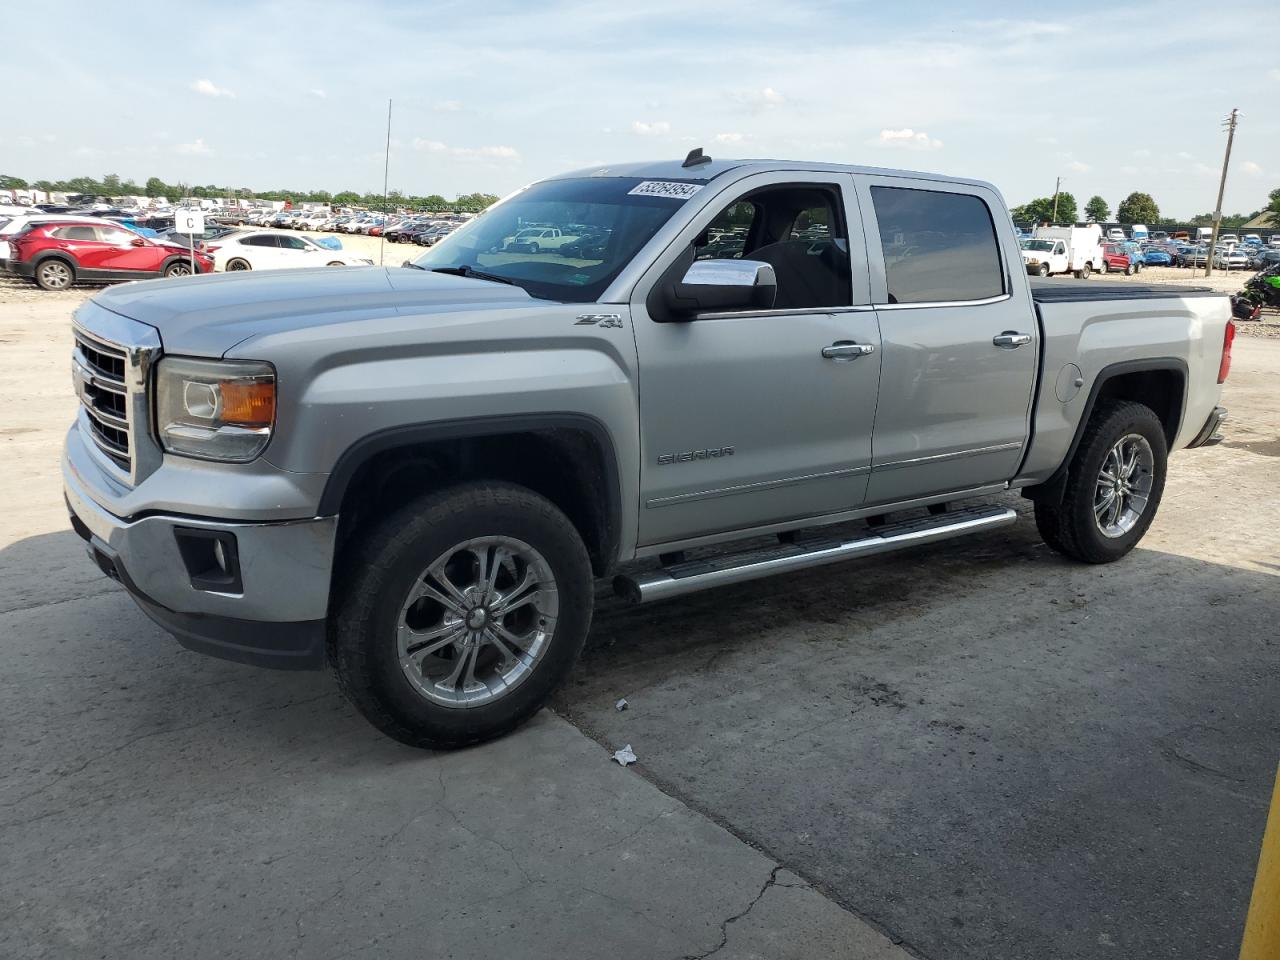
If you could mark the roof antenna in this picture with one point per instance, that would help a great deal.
(696, 158)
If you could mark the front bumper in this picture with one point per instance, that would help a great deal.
(276, 615)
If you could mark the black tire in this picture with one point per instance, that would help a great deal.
(54, 273)
(533, 248)
(179, 268)
(1105, 267)
(375, 578)
(1085, 271)
(1043, 270)
(1069, 526)
(1129, 271)
(335, 263)
(238, 263)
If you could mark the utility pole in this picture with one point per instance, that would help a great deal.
(1057, 186)
(1230, 124)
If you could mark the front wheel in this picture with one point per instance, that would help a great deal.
(1113, 488)
(460, 613)
(1044, 270)
(1129, 271)
(335, 263)
(179, 268)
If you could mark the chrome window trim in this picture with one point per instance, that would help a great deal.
(929, 304)
(752, 487)
(857, 308)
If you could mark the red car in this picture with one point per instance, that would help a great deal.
(55, 255)
(1114, 258)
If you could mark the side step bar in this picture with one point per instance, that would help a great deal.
(693, 575)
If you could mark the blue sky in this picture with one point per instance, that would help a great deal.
(489, 96)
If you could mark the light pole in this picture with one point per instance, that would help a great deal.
(1230, 124)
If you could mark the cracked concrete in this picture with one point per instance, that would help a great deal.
(159, 804)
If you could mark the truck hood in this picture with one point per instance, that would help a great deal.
(207, 315)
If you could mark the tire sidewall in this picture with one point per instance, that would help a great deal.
(1127, 418)
(367, 640)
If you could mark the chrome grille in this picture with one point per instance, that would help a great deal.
(99, 372)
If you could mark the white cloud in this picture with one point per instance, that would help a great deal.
(1274, 74)
(317, 93)
(758, 100)
(727, 138)
(447, 106)
(87, 152)
(1142, 152)
(651, 129)
(1049, 140)
(909, 139)
(772, 96)
(493, 152)
(210, 89)
(1182, 154)
(195, 147)
(1251, 168)
(1075, 166)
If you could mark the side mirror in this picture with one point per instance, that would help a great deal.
(138, 242)
(711, 285)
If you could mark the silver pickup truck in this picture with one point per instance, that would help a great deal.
(416, 474)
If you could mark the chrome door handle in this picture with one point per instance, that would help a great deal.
(1010, 339)
(847, 350)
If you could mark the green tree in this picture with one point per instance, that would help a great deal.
(1040, 210)
(476, 201)
(346, 198)
(111, 185)
(157, 187)
(12, 183)
(1138, 208)
(1274, 207)
(1096, 210)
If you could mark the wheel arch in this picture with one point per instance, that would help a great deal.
(569, 458)
(1159, 382)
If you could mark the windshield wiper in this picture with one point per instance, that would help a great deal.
(467, 271)
(410, 263)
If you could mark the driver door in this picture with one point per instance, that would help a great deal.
(749, 417)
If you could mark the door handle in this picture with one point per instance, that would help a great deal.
(847, 350)
(1011, 339)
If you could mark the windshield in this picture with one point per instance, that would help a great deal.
(1043, 246)
(559, 239)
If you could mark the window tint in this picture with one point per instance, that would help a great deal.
(292, 243)
(937, 246)
(260, 241)
(116, 235)
(75, 233)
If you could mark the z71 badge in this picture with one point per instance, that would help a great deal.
(706, 453)
(605, 321)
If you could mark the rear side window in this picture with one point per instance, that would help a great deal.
(260, 241)
(938, 247)
(75, 233)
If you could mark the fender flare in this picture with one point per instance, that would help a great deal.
(364, 449)
(1051, 489)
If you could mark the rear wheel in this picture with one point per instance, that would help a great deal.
(460, 613)
(1085, 271)
(1113, 488)
(238, 263)
(335, 263)
(55, 274)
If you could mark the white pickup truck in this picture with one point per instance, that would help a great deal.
(1054, 250)
(415, 474)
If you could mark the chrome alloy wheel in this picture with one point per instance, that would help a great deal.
(1124, 485)
(55, 274)
(477, 621)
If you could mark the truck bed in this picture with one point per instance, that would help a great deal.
(1069, 291)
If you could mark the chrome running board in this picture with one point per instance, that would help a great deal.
(689, 576)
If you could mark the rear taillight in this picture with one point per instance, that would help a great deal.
(1228, 338)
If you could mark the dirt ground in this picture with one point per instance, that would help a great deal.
(984, 751)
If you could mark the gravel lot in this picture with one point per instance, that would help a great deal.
(982, 750)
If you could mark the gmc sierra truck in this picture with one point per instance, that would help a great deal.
(415, 474)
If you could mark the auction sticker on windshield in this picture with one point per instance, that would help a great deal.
(665, 188)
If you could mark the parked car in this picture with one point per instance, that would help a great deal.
(11, 225)
(1075, 250)
(57, 254)
(1230, 259)
(1116, 260)
(1156, 257)
(1159, 235)
(1115, 233)
(1194, 256)
(535, 239)
(444, 486)
(271, 250)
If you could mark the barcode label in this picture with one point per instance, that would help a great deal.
(665, 188)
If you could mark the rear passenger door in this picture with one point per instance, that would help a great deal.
(960, 340)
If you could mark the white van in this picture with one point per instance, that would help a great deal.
(1138, 231)
(1115, 235)
(1204, 234)
(1074, 250)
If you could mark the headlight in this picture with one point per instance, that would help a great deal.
(215, 409)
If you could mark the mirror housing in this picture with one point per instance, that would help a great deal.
(714, 285)
(138, 242)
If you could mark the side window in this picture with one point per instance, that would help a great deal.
(261, 240)
(75, 233)
(937, 246)
(121, 238)
(799, 230)
(726, 235)
(292, 243)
